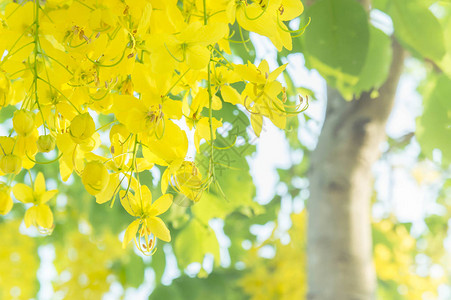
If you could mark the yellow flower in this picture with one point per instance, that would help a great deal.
(148, 223)
(23, 122)
(140, 115)
(46, 143)
(260, 95)
(121, 144)
(73, 153)
(189, 46)
(95, 177)
(164, 150)
(39, 215)
(203, 130)
(266, 18)
(6, 203)
(185, 178)
(82, 127)
(9, 161)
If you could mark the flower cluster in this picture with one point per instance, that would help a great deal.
(147, 65)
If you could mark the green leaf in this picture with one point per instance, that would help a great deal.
(6, 112)
(193, 242)
(417, 27)
(336, 41)
(436, 224)
(445, 64)
(211, 206)
(158, 263)
(134, 271)
(376, 67)
(434, 126)
(220, 285)
(103, 217)
(380, 4)
(237, 228)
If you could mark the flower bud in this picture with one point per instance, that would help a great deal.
(6, 203)
(10, 163)
(82, 128)
(95, 177)
(23, 122)
(46, 143)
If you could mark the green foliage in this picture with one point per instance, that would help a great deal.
(331, 45)
(377, 64)
(158, 264)
(193, 242)
(222, 284)
(131, 271)
(417, 28)
(241, 45)
(433, 126)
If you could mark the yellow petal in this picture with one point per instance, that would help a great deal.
(6, 203)
(146, 198)
(199, 101)
(130, 232)
(172, 146)
(229, 94)
(292, 9)
(30, 216)
(203, 130)
(197, 57)
(274, 74)
(159, 229)
(264, 67)
(211, 33)
(165, 180)
(39, 184)
(23, 193)
(130, 203)
(44, 216)
(172, 109)
(257, 123)
(216, 103)
(161, 205)
(67, 147)
(108, 193)
(141, 164)
(47, 196)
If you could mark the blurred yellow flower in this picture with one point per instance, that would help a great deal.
(39, 215)
(140, 205)
(6, 203)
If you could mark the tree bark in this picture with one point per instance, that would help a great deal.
(339, 245)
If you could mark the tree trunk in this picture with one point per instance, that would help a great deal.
(339, 247)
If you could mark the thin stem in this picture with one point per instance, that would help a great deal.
(210, 102)
(173, 86)
(242, 39)
(106, 125)
(36, 51)
(15, 43)
(61, 93)
(58, 62)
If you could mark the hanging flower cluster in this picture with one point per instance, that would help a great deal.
(144, 64)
